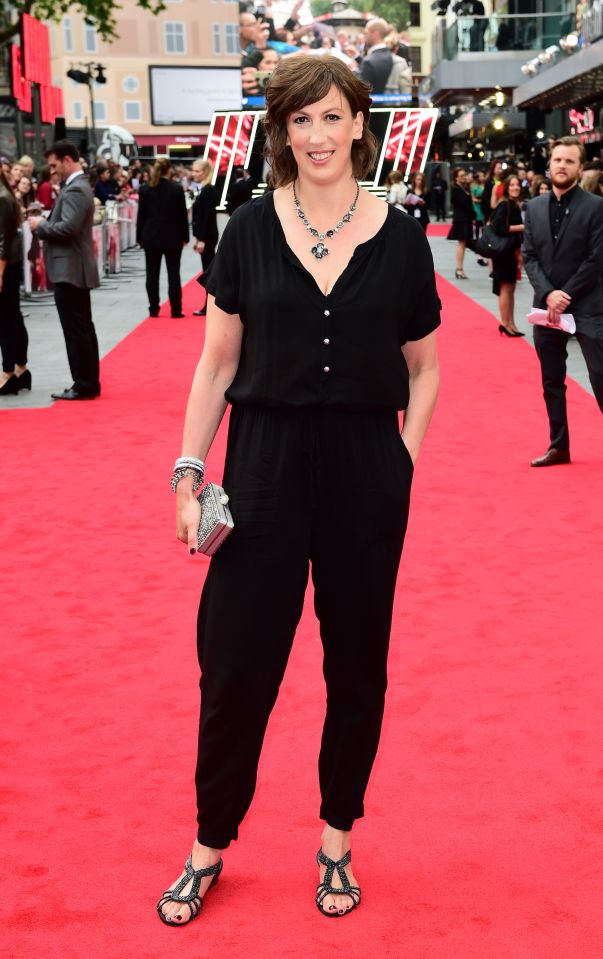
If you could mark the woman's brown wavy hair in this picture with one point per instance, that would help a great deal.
(302, 79)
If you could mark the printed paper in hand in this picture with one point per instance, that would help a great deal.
(540, 318)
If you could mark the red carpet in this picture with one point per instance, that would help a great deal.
(484, 833)
(438, 229)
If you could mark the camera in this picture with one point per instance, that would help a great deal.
(262, 78)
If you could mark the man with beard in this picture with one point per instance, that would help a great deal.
(563, 256)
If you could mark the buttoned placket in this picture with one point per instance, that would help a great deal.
(326, 343)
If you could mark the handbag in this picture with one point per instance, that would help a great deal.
(216, 519)
(491, 244)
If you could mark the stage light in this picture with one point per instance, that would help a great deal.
(540, 134)
(481, 153)
(498, 123)
(499, 98)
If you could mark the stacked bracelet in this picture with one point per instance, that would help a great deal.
(188, 466)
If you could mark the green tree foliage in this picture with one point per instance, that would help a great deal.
(98, 12)
(396, 12)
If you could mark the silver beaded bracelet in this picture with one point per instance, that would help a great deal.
(188, 466)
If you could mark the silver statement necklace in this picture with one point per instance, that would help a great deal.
(320, 249)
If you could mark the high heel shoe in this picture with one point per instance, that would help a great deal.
(460, 275)
(505, 332)
(24, 380)
(11, 387)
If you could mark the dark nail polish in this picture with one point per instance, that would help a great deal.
(192, 551)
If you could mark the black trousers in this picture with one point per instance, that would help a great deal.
(75, 314)
(324, 487)
(153, 265)
(551, 346)
(13, 335)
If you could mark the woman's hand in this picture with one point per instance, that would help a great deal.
(188, 517)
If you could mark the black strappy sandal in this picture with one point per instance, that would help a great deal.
(325, 888)
(192, 899)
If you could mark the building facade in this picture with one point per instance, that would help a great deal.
(187, 33)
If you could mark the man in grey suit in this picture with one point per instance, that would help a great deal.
(71, 266)
(563, 257)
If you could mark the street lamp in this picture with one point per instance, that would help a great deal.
(92, 72)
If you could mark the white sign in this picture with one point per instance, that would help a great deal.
(192, 94)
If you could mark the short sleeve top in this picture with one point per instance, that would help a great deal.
(304, 348)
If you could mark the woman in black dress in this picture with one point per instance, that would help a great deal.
(463, 216)
(205, 224)
(507, 221)
(417, 199)
(316, 353)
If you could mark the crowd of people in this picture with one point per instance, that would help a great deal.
(378, 53)
(500, 197)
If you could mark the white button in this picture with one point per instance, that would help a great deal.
(326, 341)
(327, 312)
(327, 369)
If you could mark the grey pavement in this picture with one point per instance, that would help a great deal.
(120, 305)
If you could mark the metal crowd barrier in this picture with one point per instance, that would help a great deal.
(115, 233)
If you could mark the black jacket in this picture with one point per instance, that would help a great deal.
(162, 222)
(376, 68)
(462, 205)
(205, 224)
(574, 263)
(239, 193)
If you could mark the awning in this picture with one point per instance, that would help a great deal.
(578, 79)
(170, 139)
(475, 119)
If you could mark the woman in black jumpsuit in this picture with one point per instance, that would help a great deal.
(314, 355)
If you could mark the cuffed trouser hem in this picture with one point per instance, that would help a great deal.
(338, 822)
(212, 840)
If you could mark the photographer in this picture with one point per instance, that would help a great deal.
(254, 80)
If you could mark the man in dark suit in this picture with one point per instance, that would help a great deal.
(162, 230)
(563, 256)
(71, 266)
(377, 64)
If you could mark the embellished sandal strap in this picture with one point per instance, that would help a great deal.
(333, 866)
(194, 875)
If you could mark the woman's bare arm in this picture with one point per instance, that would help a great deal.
(206, 406)
(422, 361)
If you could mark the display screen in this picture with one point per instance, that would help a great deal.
(189, 95)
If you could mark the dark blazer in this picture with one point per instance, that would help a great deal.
(462, 205)
(10, 233)
(67, 235)
(376, 68)
(162, 222)
(205, 224)
(238, 194)
(574, 263)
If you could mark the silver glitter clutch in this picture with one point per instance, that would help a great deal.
(216, 519)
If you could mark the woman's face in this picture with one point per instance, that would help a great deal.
(514, 188)
(544, 187)
(498, 171)
(269, 61)
(420, 181)
(24, 185)
(321, 136)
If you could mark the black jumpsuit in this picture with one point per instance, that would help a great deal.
(317, 473)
